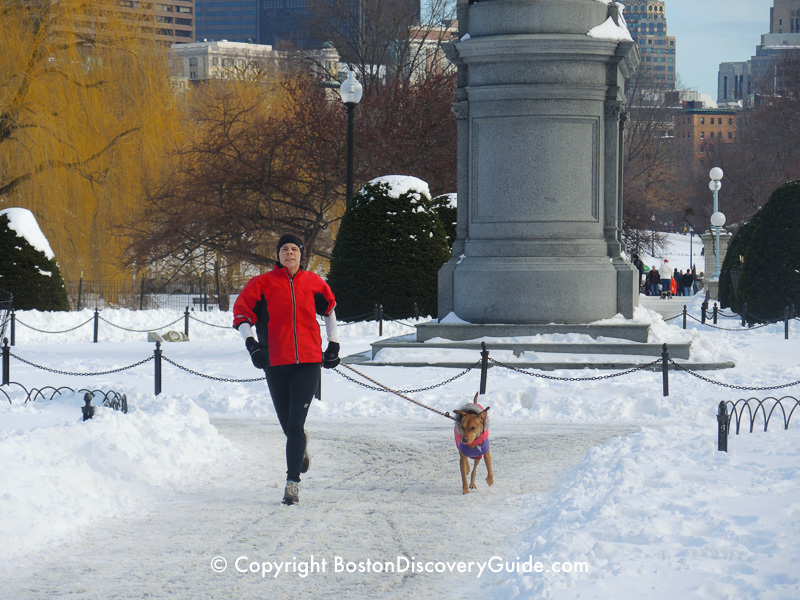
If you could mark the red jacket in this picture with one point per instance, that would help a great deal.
(283, 311)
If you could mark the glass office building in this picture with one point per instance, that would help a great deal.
(231, 20)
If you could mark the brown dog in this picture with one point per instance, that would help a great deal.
(472, 441)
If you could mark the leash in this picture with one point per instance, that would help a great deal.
(396, 393)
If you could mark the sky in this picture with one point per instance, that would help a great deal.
(709, 32)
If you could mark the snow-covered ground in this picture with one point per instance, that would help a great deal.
(606, 479)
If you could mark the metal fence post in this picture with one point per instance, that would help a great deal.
(80, 291)
(722, 427)
(96, 323)
(703, 309)
(716, 312)
(13, 327)
(6, 362)
(380, 319)
(685, 310)
(416, 311)
(665, 368)
(157, 354)
(484, 367)
(186, 322)
(744, 314)
(786, 323)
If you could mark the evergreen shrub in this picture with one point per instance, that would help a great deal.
(388, 251)
(33, 279)
(769, 277)
(445, 207)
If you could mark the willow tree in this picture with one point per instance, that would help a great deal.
(86, 108)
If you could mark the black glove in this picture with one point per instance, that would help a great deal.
(258, 354)
(330, 358)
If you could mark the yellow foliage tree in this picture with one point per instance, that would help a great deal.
(86, 110)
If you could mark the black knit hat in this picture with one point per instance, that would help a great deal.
(288, 238)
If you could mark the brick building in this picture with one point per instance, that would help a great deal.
(699, 131)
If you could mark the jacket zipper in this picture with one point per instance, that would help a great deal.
(294, 319)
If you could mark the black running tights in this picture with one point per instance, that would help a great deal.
(292, 388)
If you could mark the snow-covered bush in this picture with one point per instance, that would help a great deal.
(26, 271)
(388, 251)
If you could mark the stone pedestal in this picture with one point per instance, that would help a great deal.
(540, 113)
(709, 251)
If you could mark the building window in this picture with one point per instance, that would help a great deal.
(702, 135)
(730, 120)
(730, 135)
(702, 120)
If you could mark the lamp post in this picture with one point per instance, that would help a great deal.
(717, 219)
(350, 91)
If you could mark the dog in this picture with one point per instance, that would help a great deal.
(472, 440)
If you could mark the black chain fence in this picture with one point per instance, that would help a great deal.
(414, 391)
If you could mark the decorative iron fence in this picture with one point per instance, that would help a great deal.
(735, 412)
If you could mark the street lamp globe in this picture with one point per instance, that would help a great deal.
(351, 90)
(717, 218)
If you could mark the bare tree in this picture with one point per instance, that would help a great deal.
(259, 166)
(409, 130)
(384, 39)
(649, 165)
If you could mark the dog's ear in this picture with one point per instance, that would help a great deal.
(460, 413)
(475, 400)
(484, 414)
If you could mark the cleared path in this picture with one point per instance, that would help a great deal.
(378, 492)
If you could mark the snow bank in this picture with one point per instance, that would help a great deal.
(61, 475)
(662, 514)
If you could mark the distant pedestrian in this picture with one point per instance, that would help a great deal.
(687, 279)
(655, 281)
(637, 262)
(666, 276)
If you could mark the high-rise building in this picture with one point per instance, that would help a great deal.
(734, 82)
(776, 61)
(279, 23)
(229, 20)
(647, 23)
(168, 21)
(784, 17)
